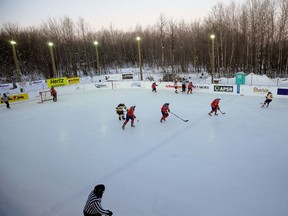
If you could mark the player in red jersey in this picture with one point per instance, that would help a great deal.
(165, 111)
(154, 87)
(190, 86)
(130, 115)
(215, 106)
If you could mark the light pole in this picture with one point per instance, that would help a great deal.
(13, 43)
(139, 55)
(97, 57)
(50, 44)
(212, 58)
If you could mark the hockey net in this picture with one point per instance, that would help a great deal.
(45, 96)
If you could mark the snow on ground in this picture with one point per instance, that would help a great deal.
(53, 154)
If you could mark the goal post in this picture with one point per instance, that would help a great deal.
(45, 96)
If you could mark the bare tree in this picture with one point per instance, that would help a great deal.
(252, 37)
(161, 25)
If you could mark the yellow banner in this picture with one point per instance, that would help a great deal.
(73, 80)
(18, 97)
(62, 81)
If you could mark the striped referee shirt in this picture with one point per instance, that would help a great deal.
(93, 205)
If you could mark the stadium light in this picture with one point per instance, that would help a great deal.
(50, 44)
(97, 57)
(139, 56)
(13, 43)
(212, 58)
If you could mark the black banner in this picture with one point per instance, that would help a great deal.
(127, 76)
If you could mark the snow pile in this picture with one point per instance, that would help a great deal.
(253, 79)
(250, 79)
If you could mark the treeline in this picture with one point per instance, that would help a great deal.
(251, 37)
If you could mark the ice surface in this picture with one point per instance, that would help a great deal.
(53, 154)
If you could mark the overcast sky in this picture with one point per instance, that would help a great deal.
(122, 14)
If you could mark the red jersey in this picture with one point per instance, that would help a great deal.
(53, 91)
(130, 112)
(215, 103)
(190, 85)
(154, 85)
(165, 108)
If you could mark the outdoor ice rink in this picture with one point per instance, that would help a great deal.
(53, 154)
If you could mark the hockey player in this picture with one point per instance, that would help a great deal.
(165, 112)
(5, 99)
(215, 106)
(130, 115)
(176, 86)
(53, 93)
(183, 86)
(120, 111)
(190, 86)
(154, 87)
(269, 98)
(93, 204)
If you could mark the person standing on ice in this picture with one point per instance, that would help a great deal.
(120, 111)
(165, 112)
(176, 86)
(269, 98)
(154, 87)
(130, 115)
(5, 99)
(215, 106)
(53, 93)
(184, 86)
(93, 204)
(190, 86)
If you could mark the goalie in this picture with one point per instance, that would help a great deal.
(53, 93)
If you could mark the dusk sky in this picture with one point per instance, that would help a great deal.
(122, 14)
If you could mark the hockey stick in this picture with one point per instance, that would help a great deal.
(179, 117)
(221, 112)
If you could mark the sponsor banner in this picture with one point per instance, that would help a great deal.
(22, 84)
(127, 76)
(62, 81)
(113, 77)
(136, 84)
(260, 90)
(100, 85)
(6, 86)
(73, 80)
(17, 97)
(223, 88)
(282, 91)
(205, 86)
(172, 86)
(38, 82)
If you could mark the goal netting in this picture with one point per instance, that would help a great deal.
(45, 96)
